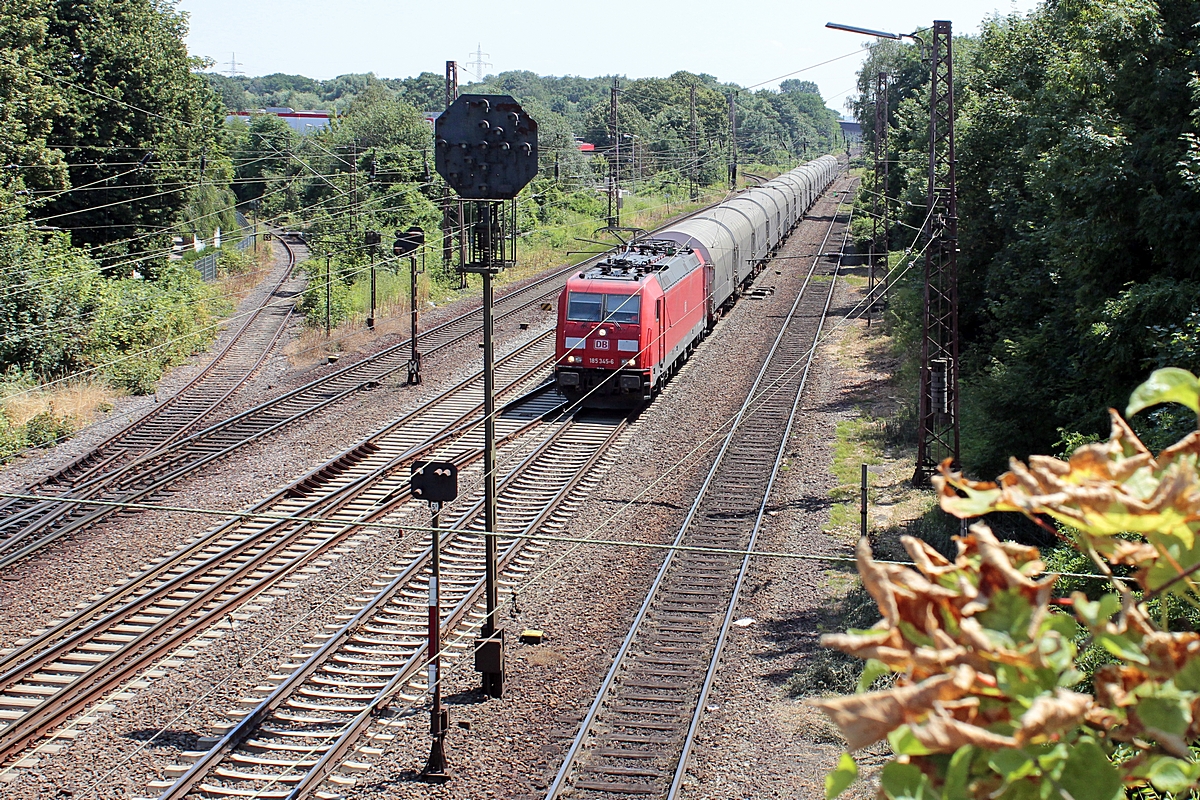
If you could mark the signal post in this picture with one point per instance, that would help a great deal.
(486, 150)
(436, 482)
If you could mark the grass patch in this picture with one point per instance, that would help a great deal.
(34, 416)
(854, 445)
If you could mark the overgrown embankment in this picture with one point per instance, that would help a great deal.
(75, 338)
(1078, 175)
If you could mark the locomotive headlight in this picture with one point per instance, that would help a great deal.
(632, 362)
(602, 332)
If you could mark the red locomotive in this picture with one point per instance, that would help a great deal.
(626, 324)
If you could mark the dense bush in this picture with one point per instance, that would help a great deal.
(1079, 215)
(993, 697)
(60, 315)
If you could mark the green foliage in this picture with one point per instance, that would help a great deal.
(61, 315)
(260, 149)
(232, 261)
(44, 430)
(840, 779)
(139, 328)
(1079, 210)
(110, 60)
(326, 297)
(31, 99)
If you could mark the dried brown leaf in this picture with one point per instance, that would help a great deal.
(1052, 714)
(944, 734)
(866, 718)
(875, 580)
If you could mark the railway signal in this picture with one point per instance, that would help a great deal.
(437, 483)
(372, 240)
(407, 243)
(486, 148)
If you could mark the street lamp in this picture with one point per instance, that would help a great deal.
(837, 26)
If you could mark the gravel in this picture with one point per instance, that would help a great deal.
(512, 747)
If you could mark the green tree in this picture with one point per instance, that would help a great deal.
(31, 101)
(1079, 218)
(141, 124)
(260, 150)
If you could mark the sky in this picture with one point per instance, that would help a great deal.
(752, 42)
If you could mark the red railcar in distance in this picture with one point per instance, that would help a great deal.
(627, 323)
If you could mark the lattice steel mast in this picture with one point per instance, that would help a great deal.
(938, 417)
(879, 216)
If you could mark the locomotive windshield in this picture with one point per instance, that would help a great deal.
(585, 307)
(622, 307)
(588, 307)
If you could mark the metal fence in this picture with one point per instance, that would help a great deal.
(207, 266)
(247, 241)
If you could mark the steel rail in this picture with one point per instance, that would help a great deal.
(134, 472)
(119, 665)
(88, 463)
(170, 562)
(205, 457)
(753, 397)
(336, 750)
(727, 622)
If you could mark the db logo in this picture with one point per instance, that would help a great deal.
(600, 344)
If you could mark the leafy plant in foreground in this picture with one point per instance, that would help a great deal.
(987, 701)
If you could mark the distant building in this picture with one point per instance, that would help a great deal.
(302, 122)
(851, 129)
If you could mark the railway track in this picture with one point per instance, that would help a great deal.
(638, 732)
(31, 525)
(66, 669)
(307, 726)
(62, 671)
(237, 361)
(197, 401)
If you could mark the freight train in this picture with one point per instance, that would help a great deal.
(627, 323)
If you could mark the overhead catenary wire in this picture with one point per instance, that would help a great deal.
(153, 348)
(583, 540)
(599, 542)
(664, 474)
(143, 257)
(15, 290)
(107, 364)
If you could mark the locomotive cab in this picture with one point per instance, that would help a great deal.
(600, 343)
(612, 324)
